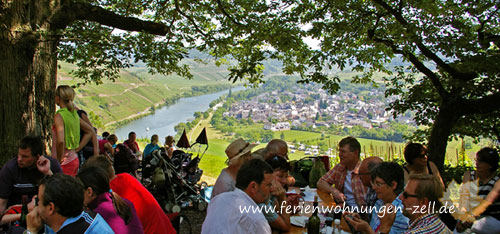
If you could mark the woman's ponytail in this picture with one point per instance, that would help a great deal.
(121, 207)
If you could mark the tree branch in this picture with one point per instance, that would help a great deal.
(416, 62)
(426, 51)
(482, 105)
(178, 8)
(85, 11)
(496, 132)
(224, 12)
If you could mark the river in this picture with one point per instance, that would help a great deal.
(163, 121)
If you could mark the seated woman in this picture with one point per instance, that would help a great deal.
(119, 213)
(489, 187)
(417, 162)
(387, 181)
(237, 153)
(281, 221)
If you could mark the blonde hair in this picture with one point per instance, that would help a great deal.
(66, 94)
(154, 139)
(428, 186)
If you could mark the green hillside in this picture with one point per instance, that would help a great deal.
(138, 92)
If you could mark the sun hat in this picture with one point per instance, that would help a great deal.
(238, 148)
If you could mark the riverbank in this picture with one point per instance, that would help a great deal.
(113, 125)
(137, 93)
(164, 119)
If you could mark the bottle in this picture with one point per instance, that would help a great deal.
(313, 223)
(336, 226)
(24, 211)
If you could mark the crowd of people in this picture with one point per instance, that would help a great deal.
(88, 184)
(413, 192)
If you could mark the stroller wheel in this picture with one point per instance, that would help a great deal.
(176, 209)
(202, 205)
(168, 207)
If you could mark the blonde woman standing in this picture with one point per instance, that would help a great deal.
(66, 131)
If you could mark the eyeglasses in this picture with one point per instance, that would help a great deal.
(406, 195)
(36, 201)
(377, 184)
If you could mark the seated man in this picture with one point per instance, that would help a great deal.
(364, 173)
(348, 187)
(132, 144)
(60, 208)
(21, 175)
(421, 192)
(237, 153)
(275, 147)
(233, 212)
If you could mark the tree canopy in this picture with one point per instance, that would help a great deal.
(450, 48)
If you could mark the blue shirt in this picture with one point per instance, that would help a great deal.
(97, 224)
(348, 193)
(401, 222)
(270, 211)
(149, 149)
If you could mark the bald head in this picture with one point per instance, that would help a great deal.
(364, 169)
(276, 147)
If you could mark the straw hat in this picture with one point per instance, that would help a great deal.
(238, 148)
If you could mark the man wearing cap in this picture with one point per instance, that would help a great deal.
(275, 147)
(237, 153)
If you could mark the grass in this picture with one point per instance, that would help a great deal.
(213, 161)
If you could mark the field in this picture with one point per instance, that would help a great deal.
(213, 160)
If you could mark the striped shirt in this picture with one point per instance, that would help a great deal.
(428, 224)
(484, 189)
(400, 224)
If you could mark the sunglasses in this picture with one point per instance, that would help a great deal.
(407, 195)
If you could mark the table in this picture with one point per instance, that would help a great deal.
(326, 201)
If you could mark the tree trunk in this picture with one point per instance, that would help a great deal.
(28, 65)
(441, 130)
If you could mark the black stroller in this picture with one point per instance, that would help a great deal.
(173, 182)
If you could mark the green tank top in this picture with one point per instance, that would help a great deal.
(71, 127)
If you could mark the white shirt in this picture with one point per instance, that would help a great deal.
(226, 215)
